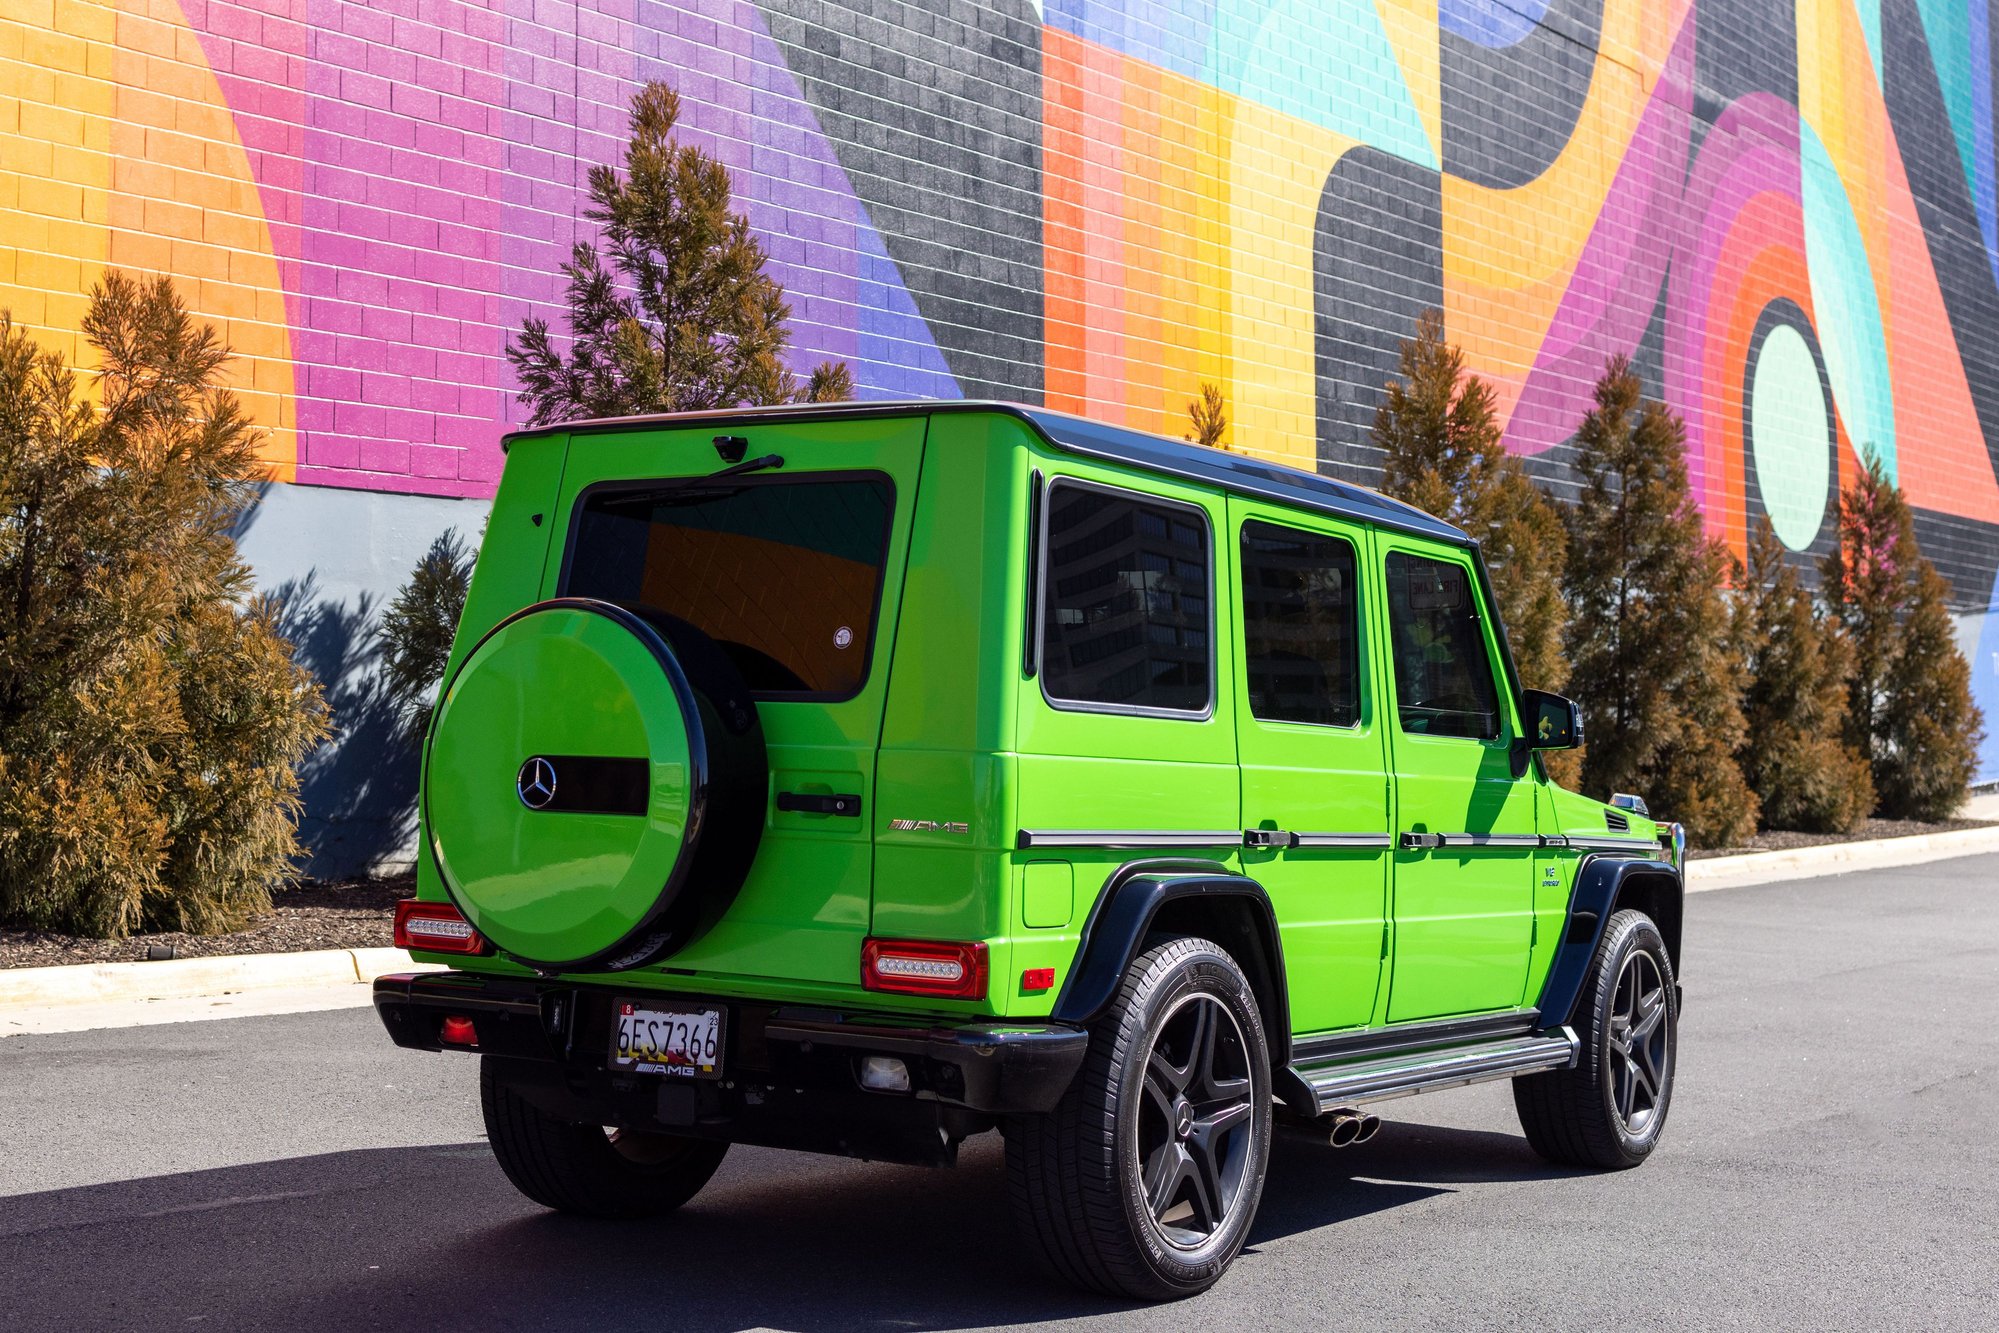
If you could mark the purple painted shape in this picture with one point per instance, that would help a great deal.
(1615, 288)
(1492, 23)
(1751, 150)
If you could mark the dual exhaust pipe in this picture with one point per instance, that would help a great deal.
(1348, 1126)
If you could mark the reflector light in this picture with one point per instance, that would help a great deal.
(457, 1030)
(1038, 978)
(437, 927)
(925, 967)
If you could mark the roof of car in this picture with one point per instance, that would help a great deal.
(1240, 473)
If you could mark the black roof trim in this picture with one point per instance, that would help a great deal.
(1239, 473)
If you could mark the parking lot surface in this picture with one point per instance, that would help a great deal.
(1830, 1162)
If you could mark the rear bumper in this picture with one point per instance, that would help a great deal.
(775, 1056)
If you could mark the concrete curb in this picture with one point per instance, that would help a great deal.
(194, 978)
(101, 994)
(1836, 858)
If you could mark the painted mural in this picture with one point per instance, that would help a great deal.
(1787, 211)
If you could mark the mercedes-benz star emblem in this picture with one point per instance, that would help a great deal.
(536, 783)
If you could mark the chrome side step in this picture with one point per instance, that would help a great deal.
(1350, 1082)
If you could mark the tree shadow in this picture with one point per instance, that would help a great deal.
(435, 1238)
(360, 786)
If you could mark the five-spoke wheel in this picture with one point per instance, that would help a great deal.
(1609, 1109)
(1144, 1180)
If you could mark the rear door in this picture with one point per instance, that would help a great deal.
(796, 572)
(1463, 889)
(1314, 765)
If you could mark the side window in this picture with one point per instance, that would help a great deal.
(1301, 626)
(1443, 678)
(1126, 616)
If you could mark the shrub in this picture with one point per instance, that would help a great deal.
(1795, 755)
(684, 318)
(151, 716)
(1649, 639)
(416, 631)
(1208, 416)
(1446, 455)
(1910, 708)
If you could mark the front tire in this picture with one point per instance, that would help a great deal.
(587, 1169)
(1609, 1111)
(1144, 1180)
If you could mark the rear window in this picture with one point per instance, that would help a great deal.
(784, 573)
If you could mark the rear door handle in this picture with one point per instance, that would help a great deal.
(1421, 842)
(842, 803)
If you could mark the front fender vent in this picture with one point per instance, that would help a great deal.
(1616, 822)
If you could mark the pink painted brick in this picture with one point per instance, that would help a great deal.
(330, 451)
(386, 325)
(411, 426)
(430, 460)
(413, 296)
(353, 418)
(385, 456)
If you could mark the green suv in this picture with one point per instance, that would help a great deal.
(859, 779)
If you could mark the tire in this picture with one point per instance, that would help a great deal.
(586, 1169)
(1609, 1111)
(1176, 1086)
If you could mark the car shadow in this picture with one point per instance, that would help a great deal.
(435, 1238)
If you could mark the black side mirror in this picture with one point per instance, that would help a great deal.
(1553, 723)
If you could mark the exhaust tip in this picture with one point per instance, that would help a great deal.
(1370, 1125)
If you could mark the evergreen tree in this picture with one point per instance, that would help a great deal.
(416, 631)
(1795, 755)
(1650, 637)
(1910, 708)
(1446, 455)
(151, 717)
(1209, 417)
(681, 316)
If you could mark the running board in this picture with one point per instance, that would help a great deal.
(1349, 1082)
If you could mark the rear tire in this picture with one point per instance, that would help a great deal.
(1609, 1111)
(1144, 1180)
(587, 1169)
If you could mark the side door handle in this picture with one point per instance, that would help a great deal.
(1270, 838)
(1421, 842)
(814, 804)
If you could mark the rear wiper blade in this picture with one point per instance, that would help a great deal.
(668, 489)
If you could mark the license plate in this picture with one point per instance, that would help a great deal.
(686, 1043)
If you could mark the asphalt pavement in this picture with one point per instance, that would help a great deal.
(1830, 1163)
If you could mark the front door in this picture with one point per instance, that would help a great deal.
(1463, 881)
(1314, 789)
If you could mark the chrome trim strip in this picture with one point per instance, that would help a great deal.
(1377, 841)
(1417, 842)
(1602, 844)
(1120, 838)
(1351, 1082)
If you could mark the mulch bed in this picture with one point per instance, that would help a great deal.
(344, 914)
(1869, 828)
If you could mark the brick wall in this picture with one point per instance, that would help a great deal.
(1784, 213)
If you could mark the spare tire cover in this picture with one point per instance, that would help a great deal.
(565, 784)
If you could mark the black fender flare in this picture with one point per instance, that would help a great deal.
(1600, 882)
(1131, 900)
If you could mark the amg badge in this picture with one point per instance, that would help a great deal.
(926, 826)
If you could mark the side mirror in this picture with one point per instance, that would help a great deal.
(1553, 722)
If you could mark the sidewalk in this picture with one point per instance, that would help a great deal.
(107, 995)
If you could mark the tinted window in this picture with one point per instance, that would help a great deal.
(1301, 626)
(1443, 678)
(1125, 619)
(784, 574)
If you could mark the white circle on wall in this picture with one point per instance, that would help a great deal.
(843, 637)
(1789, 433)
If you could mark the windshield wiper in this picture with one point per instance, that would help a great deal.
(669, 492)
(747, 465)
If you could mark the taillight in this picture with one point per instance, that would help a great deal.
(946, 971)
(458, 1030)
(438, 927)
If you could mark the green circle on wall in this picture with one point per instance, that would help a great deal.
(1789, 431)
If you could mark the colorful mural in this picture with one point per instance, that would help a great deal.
(1787, 211)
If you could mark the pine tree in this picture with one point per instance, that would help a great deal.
(1794, 755)
(1650, 637)
(1910, 709)
(681, 315)
(151, 717)
(1209, 417)
(416, 631)
(1446, 455)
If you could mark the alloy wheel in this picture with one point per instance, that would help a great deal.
(1195, 1122)
(1641, 1052)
